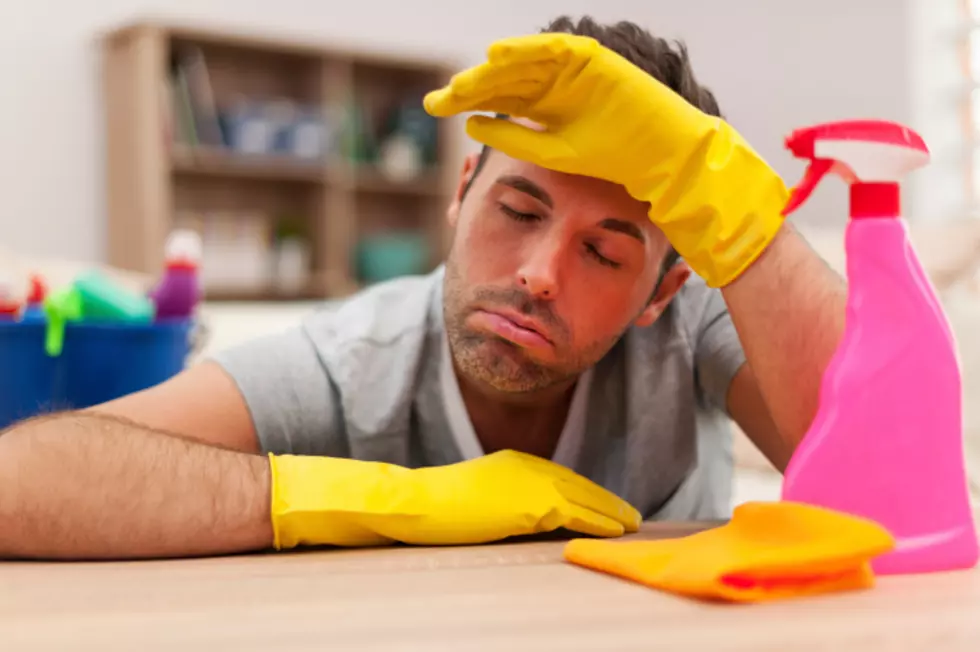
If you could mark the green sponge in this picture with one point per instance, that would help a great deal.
(103, 300)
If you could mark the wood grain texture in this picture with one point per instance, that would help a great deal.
(515, 596)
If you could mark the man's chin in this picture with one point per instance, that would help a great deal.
(508, 385)
(495, 349)
(504, 367)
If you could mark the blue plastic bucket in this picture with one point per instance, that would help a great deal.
(99, 362)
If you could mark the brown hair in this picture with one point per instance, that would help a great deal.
(667, 63)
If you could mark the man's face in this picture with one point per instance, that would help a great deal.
(546, 272)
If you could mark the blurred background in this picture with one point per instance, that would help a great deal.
(289, 134)
(774, 65)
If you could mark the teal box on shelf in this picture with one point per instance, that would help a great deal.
(99, 362)
(389, 255)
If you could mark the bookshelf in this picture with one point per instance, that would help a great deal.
(309, 172)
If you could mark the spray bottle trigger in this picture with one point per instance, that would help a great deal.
(816, 170)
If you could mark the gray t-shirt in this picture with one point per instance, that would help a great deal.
(369, 378)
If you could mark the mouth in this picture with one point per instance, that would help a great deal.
(513, 327)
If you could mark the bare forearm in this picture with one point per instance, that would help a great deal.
(87, 486)
(788, 309)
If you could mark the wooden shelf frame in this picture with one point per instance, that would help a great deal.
(146, 172)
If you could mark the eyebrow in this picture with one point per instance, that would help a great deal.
(528, 187)
(525, 185)
(624, 227)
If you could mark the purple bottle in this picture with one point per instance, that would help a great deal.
(179, 290)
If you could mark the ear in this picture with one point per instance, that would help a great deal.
(465, 176)
(672, 282)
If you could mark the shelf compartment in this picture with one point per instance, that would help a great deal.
(224, 163)
(212, 123)
(312, 292)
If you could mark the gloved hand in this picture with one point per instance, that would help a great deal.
(332, 501)
(716, 200)
(767, 551)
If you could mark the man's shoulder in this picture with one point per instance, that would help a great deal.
(694, 304)
(694, 300)
(372, 346)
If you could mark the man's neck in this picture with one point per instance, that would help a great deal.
(532, 424)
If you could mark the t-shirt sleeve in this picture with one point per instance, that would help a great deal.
(718, 353)
(289, 393)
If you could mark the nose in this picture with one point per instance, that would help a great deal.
(539, 272)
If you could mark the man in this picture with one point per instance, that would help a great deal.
(561, 348)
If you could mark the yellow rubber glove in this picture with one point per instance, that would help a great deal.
(332, 501)
(768, 551)
(716, 200)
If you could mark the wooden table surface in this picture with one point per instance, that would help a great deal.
(509, 597)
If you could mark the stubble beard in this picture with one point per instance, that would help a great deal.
(495, 362)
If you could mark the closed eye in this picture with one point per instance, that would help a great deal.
(602, 259)
(517, 215)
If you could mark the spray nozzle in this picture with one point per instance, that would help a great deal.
(859, 151)
(814, 173)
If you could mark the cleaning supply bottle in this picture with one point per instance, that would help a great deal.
(887, 440)
(9, 306)
(178, 293)
(34, 306)
(61, 306)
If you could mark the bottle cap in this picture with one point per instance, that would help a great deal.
(183, 249)
(9, 305)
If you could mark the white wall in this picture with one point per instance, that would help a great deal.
(774, 64)
(938, 191)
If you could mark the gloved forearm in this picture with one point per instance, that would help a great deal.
(717, 201)
(323, 500)
(82, 486)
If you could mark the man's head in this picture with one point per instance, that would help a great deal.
(547, 270)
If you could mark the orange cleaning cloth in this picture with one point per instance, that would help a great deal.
(767, 551)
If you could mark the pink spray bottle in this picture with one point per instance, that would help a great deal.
(887, 439)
